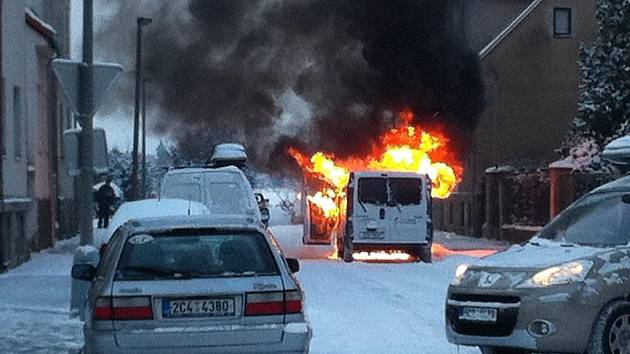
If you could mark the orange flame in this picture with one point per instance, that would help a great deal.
(407, 148)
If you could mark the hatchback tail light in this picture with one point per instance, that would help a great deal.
(123, 308)
(273, 303)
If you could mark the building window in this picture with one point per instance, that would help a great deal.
(562, 22)
(18, 122)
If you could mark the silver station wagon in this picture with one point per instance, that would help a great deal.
(177, 284)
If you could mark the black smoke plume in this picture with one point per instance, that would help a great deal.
(322, 74)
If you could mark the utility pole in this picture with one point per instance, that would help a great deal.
(86, 139)
(144, 138)
(135, 189)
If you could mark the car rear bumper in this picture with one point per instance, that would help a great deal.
(296, 338)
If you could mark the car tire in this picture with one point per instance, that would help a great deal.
(501, 350)
(340, 249)
(614, 316)
(347, 250)
(424, 255)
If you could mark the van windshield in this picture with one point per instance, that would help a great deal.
(390, 191)
(599, 220)
(190, 255)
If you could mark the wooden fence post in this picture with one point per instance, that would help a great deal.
(561, 186)
(495, 201)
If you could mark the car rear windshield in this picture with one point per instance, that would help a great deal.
(185, 255)
(226, 198)
(390, 191)
(599, 220)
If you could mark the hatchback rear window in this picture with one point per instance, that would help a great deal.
(207, 255)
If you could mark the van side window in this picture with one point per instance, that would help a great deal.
(405, 191)
(373, 190)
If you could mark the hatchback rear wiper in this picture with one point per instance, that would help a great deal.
(158, 271)
(248, 273)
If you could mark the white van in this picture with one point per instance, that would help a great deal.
(224, 190)
(386, 211)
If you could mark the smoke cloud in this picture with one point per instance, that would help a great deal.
(321, 74)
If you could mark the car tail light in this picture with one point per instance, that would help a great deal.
(293, 301)
(123, 308)
(273, 303)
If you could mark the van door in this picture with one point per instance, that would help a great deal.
(390, 210)
(407, 210)
(370, 210)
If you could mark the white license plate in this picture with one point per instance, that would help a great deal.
(378, 235)
(478, 314)
(217, 307)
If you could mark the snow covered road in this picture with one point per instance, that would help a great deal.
(353, 308)
(378, 308)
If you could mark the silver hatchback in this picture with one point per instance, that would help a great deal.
(194, 285)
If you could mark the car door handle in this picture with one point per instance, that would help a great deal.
(381, 213)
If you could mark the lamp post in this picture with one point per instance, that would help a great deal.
(135, 190)
(144, 139)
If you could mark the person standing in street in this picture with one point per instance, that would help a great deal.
(105, 198)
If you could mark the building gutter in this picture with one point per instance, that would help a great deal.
(42, 27)
(2, 124)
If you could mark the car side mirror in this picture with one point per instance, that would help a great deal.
(84, 271)
(265, 215)
(294, 265)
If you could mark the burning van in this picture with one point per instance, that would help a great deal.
(377, 206)
(387, 213)
(382, 216)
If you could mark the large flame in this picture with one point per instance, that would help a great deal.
(407, 148)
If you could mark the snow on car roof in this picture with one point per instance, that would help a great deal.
(195, 222)
(230, 169)
(153, 208)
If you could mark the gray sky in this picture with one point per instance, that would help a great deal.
(119, 126)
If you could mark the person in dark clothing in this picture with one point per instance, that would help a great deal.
(105, 198)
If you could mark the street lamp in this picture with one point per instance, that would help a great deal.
(144, 139)
(135, 190)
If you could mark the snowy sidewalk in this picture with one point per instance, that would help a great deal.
(35, 302)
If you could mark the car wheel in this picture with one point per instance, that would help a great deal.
(340, 249)
(611, 332)
(424, 254)
(498, 350)
(347, 250)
